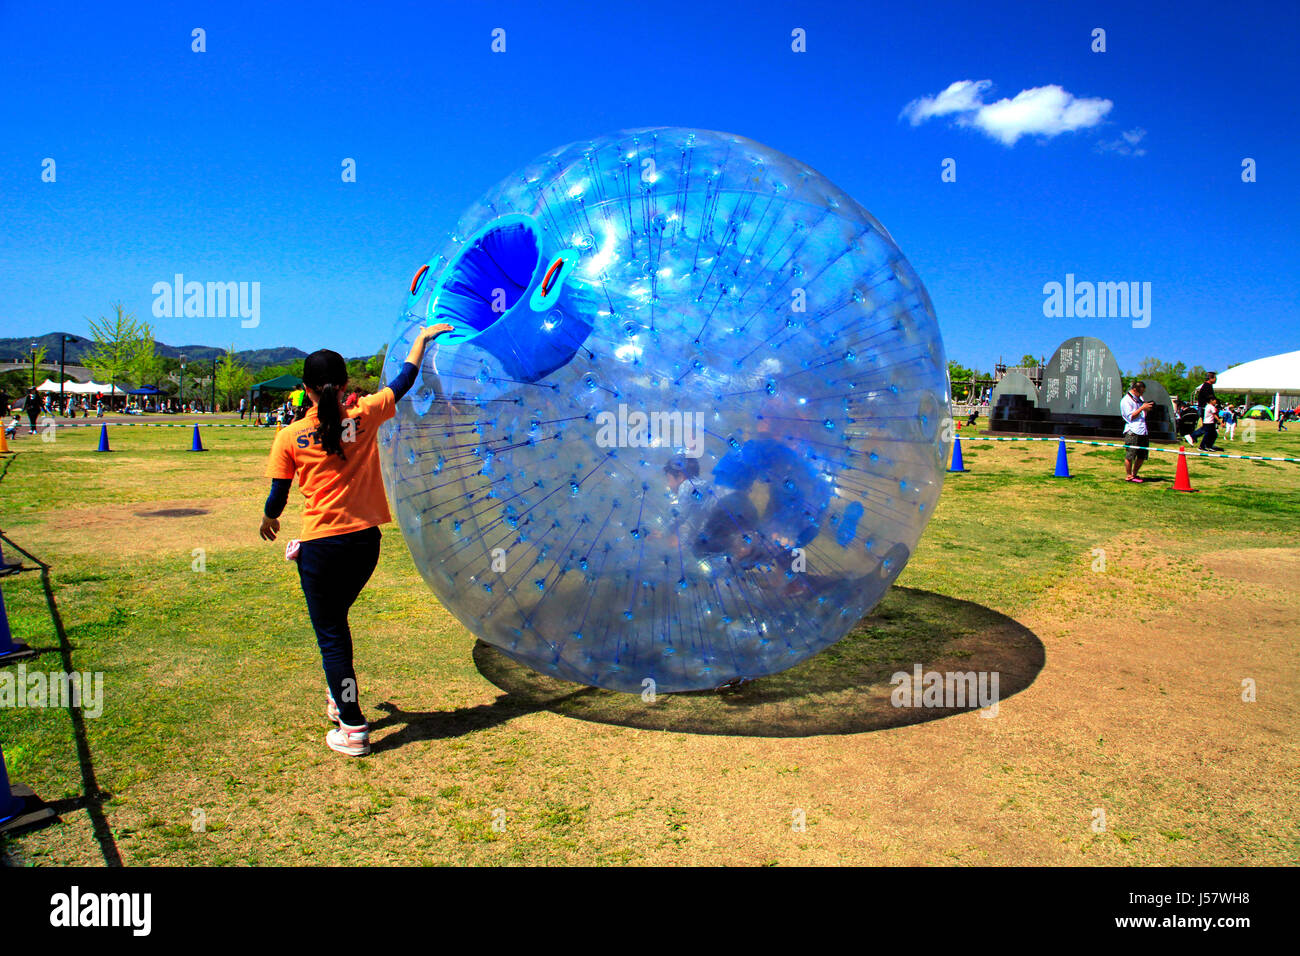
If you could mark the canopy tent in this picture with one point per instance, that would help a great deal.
(1261, 411)
(91, 388)
(281, 383)
(79, 388)
(145, 390)
(1277, 373)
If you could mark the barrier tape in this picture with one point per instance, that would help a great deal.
(1071, 441)
(1110, 444)
(96, 424)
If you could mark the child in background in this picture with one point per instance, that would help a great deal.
(1229, 418)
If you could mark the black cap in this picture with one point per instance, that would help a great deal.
(324, 367)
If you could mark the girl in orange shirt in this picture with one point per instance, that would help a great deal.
(332, 451)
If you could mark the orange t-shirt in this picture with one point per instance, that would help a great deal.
(343, 494)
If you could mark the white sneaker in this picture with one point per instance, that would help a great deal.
(1189, 439)
(348, 740)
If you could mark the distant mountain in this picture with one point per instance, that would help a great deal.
(19, 349)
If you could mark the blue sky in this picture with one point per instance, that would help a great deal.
(225, 165)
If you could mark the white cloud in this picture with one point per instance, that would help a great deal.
(960, 97)
(1126, 145)
(1041, 111)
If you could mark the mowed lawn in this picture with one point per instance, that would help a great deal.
(1157, 612)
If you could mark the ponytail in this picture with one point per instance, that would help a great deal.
(330, 414)
(327, 374)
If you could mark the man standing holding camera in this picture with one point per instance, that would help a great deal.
(1136, 440)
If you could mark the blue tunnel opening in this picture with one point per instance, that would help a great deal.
(505, 256)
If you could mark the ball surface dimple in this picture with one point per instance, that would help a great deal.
(690, 423)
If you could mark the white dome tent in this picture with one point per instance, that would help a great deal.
(1279, 374)
(80, 388)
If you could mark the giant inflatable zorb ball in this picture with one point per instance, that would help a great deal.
(690, 424)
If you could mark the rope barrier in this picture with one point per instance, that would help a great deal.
(965, 438)
(1110, 444)
(97, 423)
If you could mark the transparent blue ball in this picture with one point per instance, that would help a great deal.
(690, 424)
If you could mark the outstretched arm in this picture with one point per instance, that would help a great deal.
(405, 378)
(427, 335)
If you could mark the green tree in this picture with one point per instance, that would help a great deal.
(233, 378)
(118, 341)
(293, 368)
(38, 356)
(1028, 361)
(959, 373)
(963, 381)
(146, 365)
(1174, 377)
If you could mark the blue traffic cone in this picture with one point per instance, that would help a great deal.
(7, 566)
(10, 650)
(103, 439)
(20, 807)
(957, 463)
(1062, 462)
(10, 806)
(197, 443)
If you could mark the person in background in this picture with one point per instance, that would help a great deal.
(32, 406)
(1206, 391)
(1133, 409)
(241, 409)
(1203, 396)
(1229, 418)
(1210, 426)
(689, 501)
(334, 454)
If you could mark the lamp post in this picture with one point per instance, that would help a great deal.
(33, 365)
(213, 406)
(180, 394)
(63, 350)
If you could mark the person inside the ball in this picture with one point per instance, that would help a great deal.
(333, 453)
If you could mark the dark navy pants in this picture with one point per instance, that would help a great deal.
(333, 571)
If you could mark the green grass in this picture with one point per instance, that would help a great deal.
(213, 688)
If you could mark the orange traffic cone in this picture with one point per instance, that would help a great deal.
(1182, 481)
(4, 442)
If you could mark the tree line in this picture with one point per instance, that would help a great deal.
(124, 353)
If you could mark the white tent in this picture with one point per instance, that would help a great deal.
(1279, 374)
(81, 388)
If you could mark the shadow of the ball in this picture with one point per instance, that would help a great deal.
(954, 655)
